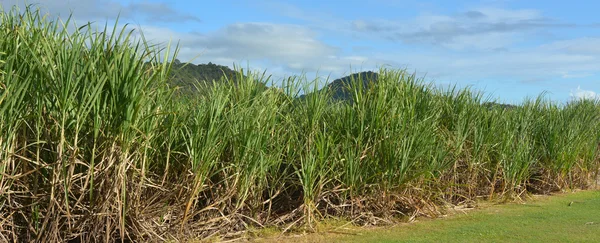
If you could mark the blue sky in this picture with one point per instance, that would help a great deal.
(509, 49)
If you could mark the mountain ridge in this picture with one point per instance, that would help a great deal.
(191, 77)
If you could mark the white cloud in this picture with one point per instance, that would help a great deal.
(482, 28)
(284, 47)
(495, 15)
(590, 45)
(567, 74)
(584, 94)
(101, 10)
(522, 65)
(483, 43)
(487, 41)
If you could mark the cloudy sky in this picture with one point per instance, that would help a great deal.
(509, 49)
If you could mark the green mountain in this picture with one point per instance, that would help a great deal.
(342, 89)
(491, 105)
(189, 77)
(192, 78)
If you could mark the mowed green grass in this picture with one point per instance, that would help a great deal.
(543, 219)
